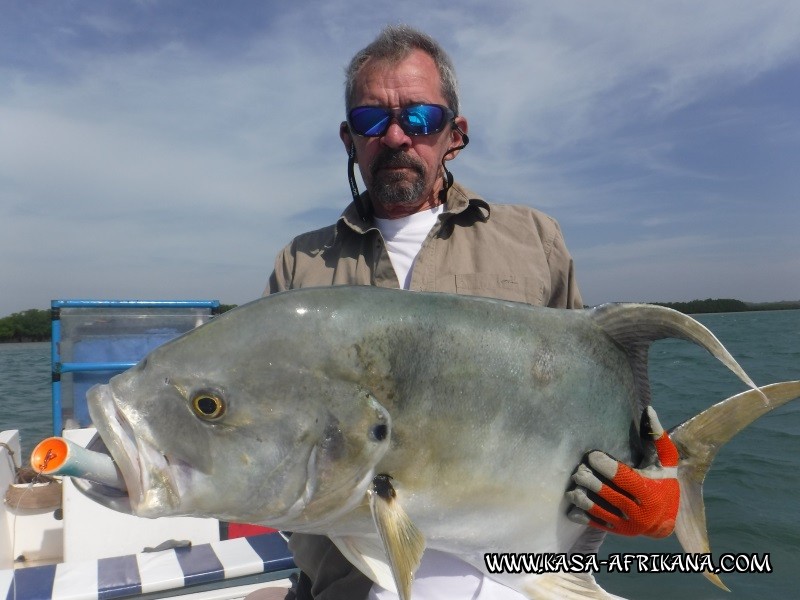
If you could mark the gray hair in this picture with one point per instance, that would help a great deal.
(394, 44)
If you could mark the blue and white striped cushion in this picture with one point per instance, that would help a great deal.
(134, 574)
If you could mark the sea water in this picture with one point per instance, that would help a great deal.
(25, 397)
(752, 494)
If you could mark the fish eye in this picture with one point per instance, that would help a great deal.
(379, 432)
(208, 407)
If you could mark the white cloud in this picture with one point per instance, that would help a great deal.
(154, 148)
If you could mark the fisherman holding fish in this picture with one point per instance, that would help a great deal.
(416, 228)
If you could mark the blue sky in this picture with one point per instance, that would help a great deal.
(159, 149)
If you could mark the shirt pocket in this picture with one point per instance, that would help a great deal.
(501, 287)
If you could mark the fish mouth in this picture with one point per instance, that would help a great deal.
(154, 481)
(106, 495)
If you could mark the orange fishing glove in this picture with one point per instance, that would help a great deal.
(612, 496)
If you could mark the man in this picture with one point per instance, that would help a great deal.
(415, 228)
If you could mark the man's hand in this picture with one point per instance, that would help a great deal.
(612, 496)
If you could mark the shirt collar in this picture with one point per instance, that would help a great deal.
(459, 199)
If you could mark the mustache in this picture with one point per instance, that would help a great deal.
(395, 159)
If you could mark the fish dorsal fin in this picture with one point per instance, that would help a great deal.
(369, 557)
(402, 541)
(565, 586)
(636, 326)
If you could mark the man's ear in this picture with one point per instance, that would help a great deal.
(458, 138)
(346, 137)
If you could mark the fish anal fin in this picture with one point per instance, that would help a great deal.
(565, 586)
(402, 541)
(369, 557)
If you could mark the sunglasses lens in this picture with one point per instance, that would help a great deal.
(422, 119)
(418, 119)
(370, 121)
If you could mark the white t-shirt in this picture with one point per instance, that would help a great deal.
(442, 576)
(404, 237)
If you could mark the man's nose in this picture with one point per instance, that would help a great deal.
(395, 137)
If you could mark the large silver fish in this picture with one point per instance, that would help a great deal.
(391, 421)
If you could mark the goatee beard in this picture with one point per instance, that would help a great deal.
(395, 189)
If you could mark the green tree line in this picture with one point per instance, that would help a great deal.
(720, 305)
(710, 305)
(33, 325)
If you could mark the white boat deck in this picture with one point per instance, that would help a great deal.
(84, 551)
(137, 574)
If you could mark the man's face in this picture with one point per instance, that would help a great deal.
(403, 173)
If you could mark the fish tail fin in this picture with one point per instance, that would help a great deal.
(699, 439)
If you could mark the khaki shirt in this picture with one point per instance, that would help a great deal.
(500, 251)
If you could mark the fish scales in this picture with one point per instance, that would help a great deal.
(474, 413)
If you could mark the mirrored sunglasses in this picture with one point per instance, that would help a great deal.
(417, 119)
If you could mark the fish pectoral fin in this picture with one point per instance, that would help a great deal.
(565, 586)
(402, 541)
